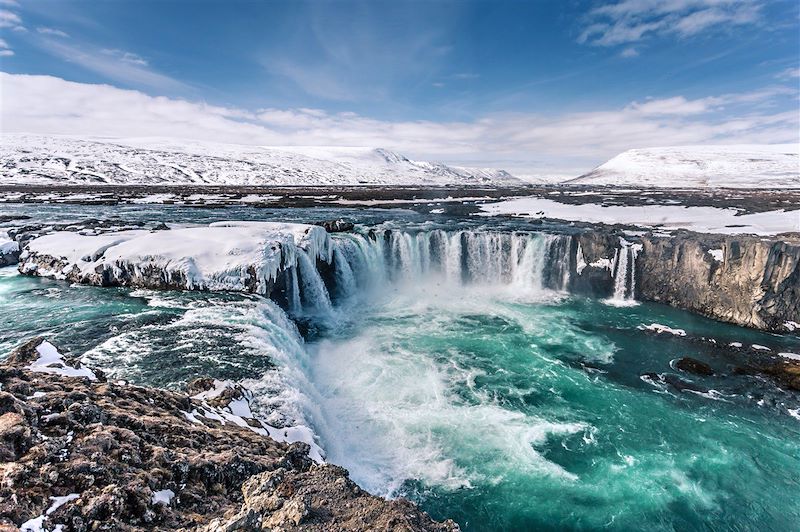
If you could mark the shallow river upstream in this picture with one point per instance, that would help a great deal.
(486, 398)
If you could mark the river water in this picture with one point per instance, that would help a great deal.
(450, 368)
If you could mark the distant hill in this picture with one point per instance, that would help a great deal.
(45, 159)
(736, 166)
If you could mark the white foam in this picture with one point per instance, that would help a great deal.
(658, 328)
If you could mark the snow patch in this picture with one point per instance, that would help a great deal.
(716, 254)
(162, 497)
(668, 217)
(51, 361)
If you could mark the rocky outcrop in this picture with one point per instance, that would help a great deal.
(745, 280)
(9, 250)
(89, 454)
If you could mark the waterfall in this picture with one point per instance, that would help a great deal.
(528, 261)
(625, 274)
(313, 294)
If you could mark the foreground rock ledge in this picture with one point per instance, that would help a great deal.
(88, 454)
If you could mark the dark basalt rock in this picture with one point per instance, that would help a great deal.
(674, 381)
(692, 365)
(756, 284)
(335, 226)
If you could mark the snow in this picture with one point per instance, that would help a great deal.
(37, 523)
(658, 328)
(602, 263)
(735, 344)
(580, 260)
(238, 411)
(760, 347)
(790, 356)
(49, 159)
(791, 325)
(60, 501)
(734, 166)
(219, 256)
(162, 497)
(51, 361)
(670, 217)
(7, 245)
(716, 254)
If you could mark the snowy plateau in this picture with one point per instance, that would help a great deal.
(735, 166)
(38, 159)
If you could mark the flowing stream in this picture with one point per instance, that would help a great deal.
(448, 364)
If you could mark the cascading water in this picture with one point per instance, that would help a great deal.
(625, 274)
(528, 261)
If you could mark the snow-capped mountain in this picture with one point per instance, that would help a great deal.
(735, 166)
(43, 159)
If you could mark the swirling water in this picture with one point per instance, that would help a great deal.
(473, 386)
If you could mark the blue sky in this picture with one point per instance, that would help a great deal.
(535, 87)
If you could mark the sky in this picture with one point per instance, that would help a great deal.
(538, 88)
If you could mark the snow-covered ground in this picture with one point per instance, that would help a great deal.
(220, 256)
(736, 166)
(667, 217)
(39, 159)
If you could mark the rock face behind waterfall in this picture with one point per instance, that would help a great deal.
(87, 454)
(743, 280)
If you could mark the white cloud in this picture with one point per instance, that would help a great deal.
(9, 19)
(629, 52)
(523, 143)
(51, 31)
(630, 21)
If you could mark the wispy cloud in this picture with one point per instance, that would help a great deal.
(5, 49)
(116, 65)
(630, 21)
(356, 57)
(523, 143)
(126, 57)
(789, 73)
(9, 19)
(51, 31)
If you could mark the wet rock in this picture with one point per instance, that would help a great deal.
(746, 280)
(322, 498)
(692, 365)
(336, 226)
(673, 381)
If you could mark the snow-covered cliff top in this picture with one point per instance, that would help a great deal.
(736, 166)
(41, 159)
